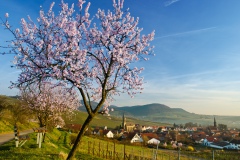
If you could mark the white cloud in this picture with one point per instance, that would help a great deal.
(186, 32)
(170, 2)
(210, 92)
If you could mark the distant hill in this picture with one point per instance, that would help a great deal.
(156, 112)
(164, 114)
(161, 113)
(152, 110)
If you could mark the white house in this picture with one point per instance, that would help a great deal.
(136, 138)
(153, 141)
(108, 133)
(143, 128)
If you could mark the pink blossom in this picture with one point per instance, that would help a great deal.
(49, 102)
(179, 144)
(174, 145)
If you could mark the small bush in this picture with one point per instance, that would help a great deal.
(63, 155)
(190, 148)
(73, 138)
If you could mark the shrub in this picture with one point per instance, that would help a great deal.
(73, 138)
(190, 148)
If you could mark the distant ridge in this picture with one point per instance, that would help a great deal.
(156, 112)
(151, 110)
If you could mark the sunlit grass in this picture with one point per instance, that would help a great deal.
(56, 146)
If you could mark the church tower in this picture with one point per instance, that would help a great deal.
(215, 123)
(123, 122)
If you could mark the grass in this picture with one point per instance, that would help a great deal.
(56, 146)
(99, 147)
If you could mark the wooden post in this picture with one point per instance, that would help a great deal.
(99, 149)
(143, 154)
(212, 154)
(156, 152)
(88, 147)
(107, 150)
(114, 151)
(16, 135)
(153, 154)
(132, 152)
(124, 151)
(40, 140)
(103, 150)
(178, 153)
(107, 146)
(43, 135)
(139, 155)
(93, 147)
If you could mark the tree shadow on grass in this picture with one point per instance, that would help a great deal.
(7, 146)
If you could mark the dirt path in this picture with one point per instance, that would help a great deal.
(9, 136)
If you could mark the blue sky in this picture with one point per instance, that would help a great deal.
(197, 62)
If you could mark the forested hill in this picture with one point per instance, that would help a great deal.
(151, 110)
(148, 111)
(161, 113)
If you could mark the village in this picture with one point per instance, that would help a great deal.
(169, 137)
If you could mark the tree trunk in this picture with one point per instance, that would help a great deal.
(41, 125)
(73, 151)
(40, 122)
(44, 125)
(44, 135)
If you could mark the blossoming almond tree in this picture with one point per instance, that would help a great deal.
(49, 102)
(93, 56)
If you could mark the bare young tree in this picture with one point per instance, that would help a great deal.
(13, 110)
